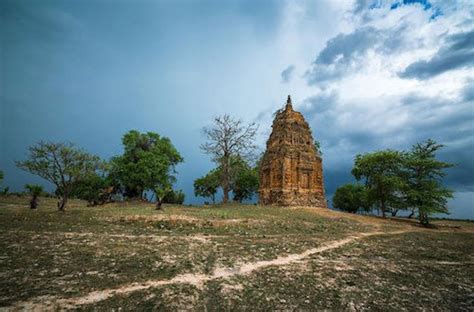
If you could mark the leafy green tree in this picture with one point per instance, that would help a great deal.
(148, 163)
(246, 181)
(207, 186)
(35, 191)
(174, 197)
(424, 175)
(351, 198)
(227, 139)
(382, 172)
(61, 164)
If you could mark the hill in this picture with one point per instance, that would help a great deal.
(236, 257)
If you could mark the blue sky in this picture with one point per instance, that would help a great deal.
(367, 75)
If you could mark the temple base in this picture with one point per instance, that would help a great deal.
(292, 198)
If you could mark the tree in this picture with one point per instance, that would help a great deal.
(382, 172)
(207, 186)
(35, 191)
(148, 162)
(228, 138)
(351, 198)
(61, 164)
(246, 183)
(424, 175)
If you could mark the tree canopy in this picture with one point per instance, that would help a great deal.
(381, 172)
(424, 175)
(148, 163)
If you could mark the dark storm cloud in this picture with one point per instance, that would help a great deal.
(454, 128)
(320, 103)
(457, 53)
(340, 53)
(341, 130)
(346, 46)
(347, 53)
(326, 119)
(287, 74)
(460, 176)
(88, 71)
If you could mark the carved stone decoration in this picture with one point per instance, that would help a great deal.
(291, 171)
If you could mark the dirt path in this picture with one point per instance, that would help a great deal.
(51, 303)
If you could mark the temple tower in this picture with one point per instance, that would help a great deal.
(291, 171)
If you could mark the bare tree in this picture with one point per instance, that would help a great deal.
(227, 139)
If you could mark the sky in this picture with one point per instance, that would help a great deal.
(366, 74)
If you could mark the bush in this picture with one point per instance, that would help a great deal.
(351, 198)
(174, 197)
(94, 188)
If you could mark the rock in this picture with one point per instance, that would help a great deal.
(291, 171)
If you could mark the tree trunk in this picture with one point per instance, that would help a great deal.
(226, 178)
(394, 212)
(63, 202)
(34, 202)
(225, 189)
(411, 214)
(158, 203)
(382, 207)
(424, 218)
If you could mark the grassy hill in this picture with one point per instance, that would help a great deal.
(236, 257)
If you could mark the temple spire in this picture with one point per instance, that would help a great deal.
(288, 104)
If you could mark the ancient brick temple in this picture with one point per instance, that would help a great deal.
(291, 171)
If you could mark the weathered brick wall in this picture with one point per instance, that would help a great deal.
(291, 171)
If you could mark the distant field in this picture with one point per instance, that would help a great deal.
(237, 257)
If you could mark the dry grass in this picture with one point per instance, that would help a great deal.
(239, 257)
